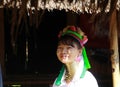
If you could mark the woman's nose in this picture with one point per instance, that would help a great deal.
(64, 50)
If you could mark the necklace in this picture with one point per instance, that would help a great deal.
(68, 76)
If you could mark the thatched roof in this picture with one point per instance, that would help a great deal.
(78, 6)
(34, 10)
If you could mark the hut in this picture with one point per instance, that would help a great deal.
(28, 30)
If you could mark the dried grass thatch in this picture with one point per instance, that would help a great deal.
(78, 6)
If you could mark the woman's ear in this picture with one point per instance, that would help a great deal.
(80, 52)
(79, 56)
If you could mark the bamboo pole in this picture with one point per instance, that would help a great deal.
(114, 48)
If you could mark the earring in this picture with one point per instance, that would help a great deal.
(78, 58)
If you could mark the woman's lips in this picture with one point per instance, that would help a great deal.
(64, 56)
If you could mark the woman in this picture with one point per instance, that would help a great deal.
(71, 52)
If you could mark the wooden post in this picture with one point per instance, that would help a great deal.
(114, 48)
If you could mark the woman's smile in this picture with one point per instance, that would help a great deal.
(64, 57)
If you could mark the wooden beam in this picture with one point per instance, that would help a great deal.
(2, 40)
(114, 47)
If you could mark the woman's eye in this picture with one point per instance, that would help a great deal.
(70, 47)
(59, 48)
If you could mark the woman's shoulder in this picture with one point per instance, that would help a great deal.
(89, 75)
(91, 78)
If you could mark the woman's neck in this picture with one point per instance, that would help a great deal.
(70, 71)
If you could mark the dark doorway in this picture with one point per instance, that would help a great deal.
(40, 42)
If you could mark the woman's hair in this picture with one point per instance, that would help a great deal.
(69, 40)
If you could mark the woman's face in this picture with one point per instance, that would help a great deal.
(67, 53)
